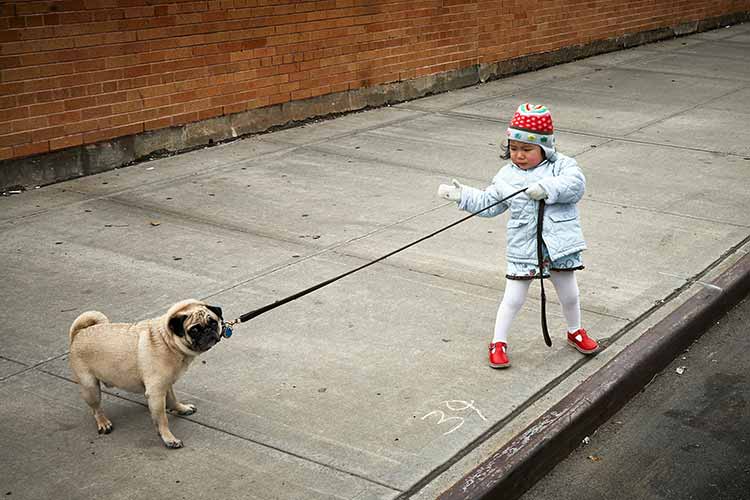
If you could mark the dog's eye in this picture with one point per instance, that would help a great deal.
(212, 322)
(193, 330)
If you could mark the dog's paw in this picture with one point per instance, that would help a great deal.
(173, 443)
(186, 409)
(104, 426)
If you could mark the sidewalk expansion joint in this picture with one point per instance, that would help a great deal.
(673, 214)
(238, 436)
(542, 84)
(612, 138)
(687, 280)
(516, 466)
(28, 368)
(209, 171)
(572, 369)
(331, 249)
(687, 109)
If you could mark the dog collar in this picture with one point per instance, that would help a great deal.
(226, 328)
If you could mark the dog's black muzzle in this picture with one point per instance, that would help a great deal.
(204, 338)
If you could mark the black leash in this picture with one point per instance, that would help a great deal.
(540, 260)
(227, 332)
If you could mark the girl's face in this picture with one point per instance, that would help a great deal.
(525, 155)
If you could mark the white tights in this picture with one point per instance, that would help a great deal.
(515, 294)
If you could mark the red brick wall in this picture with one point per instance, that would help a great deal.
(75, 72)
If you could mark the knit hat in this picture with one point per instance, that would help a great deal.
(532, 123)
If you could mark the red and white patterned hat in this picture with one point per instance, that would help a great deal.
(532, 123)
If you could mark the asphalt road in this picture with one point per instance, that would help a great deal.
(686, 436)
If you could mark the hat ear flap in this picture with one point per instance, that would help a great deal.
(216, 310)
(176, 324)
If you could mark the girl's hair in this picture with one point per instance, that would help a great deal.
(505, 151)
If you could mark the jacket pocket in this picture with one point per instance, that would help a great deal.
(563, 215)
(514, 223)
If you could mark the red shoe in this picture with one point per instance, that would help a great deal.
(498, 358)
(582, 342)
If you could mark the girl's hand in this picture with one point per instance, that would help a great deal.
(449, 192)
(536, 192)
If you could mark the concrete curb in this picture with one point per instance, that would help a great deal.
(513, 469)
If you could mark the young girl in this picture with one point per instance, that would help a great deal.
(556, 179)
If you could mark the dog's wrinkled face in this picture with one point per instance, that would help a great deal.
(198, 326)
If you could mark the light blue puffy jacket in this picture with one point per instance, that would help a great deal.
(564, 183)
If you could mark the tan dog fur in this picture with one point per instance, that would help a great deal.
(145, 357)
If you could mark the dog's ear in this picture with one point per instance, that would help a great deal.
(216, 310)
(176, 324)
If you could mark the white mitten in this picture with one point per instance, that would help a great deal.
(536, 192)
(449, 192)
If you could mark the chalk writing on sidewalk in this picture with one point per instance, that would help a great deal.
(456, 406)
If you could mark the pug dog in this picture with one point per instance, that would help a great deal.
(145, 357)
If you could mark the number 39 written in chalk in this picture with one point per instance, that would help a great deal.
(456, 421)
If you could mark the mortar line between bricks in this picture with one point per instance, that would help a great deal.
(494, 429)
(293, 148)
(238, 436)
(418, 113)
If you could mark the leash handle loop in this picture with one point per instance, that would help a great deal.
(540, 261)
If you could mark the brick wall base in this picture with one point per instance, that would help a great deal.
(56, 166)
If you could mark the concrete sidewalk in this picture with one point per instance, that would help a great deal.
(376, 386)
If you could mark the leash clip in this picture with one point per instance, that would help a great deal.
(226, 328)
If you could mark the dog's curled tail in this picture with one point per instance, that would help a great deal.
(85, 320)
